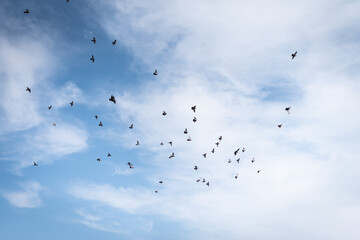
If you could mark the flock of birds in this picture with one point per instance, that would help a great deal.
(164, 113)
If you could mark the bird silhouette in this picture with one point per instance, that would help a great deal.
(196, 168)
(229, 161)
(236, 152)
(188, 139)
(109, 155)
(131, 126)
(217, 144)
(170, 143)
(279, 125)
(172, 155)
(98, 159)
(130, 165)
(293, 55)
(92, 58)
(137, 143)
(243, 149)
(213, 150)
(288, 109)
(198, 180)
(203, 180)
(72, 103)
(204, 155)
(114, 42)
(253, 160)
(161, 182)
(238, 160)
(50, 107)
(96, 116)
(258, 171)
(194, 120)
(208, 184)
(112, 99)
(94, 40)
(100, 124)
(164, 113)
(186, 131)
(67, 0)
(27, 11)
(193, 108)
(156, 191)
(220, 138)
(54, 124)
(28, 89)
(155, 73)
(35, 164)
(162, 144)
(236, 176)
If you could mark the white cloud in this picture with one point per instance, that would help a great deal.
(26, 198)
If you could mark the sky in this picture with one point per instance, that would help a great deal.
(232, 59)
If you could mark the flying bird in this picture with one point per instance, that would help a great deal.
(293, 55)
(236, 152)
(35, 164)
(243, 150)
(92, 58)
(137, 143)
(188, 139)
(288, 109)
(217, 144)
(253, 160)
(203, 180)
(172, 155)
(27, 11)
(236, 176)
(109, 155)
(155, 73)
(164, 113)
(220, 138)
(156, 191)
(196, 168)
(131, 126)
(130, 165)
(114, 42)
(198, 180)
(193, 108)
(67, 0)
(170, 143)
(204, 155)
(279, 125)
(194, 120)
(258, 171)
(161, 182)
(72, 103)
(238, 160)
(112, 99)
(208, 184)
(50, 107)
(162, 144)
(229, 161)
(98, 159)
(54, 124)
(28, 89)
(100, 124)
(94, 40)
(186, 131)
(213, 150)
(96, 116)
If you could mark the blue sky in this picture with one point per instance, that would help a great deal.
(232, 59)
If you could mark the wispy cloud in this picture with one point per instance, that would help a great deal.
(28, 197)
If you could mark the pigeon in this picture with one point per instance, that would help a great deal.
(54, 124)
(217, 144)
(193, 108)
(50, 107)
(131, 126)
(253, 160)
(28, 89)
(96, 116)
(170, 143)
(213, 150)
(188, 139)
(100, 124)
(161, 182)
(236, 176)
(238, 160)
(293, 55)
(186, 131)
(208, 184)
(279, 125)
(243, 150)
(220, 138)
(112, 99)
(114, 42)
(92, 58)
(172, 155)
(162, 144)
(288, 109)
(258, 171)
(109, 155)
(194, 120)
(35, 164)
(236, 152)
(98, 159)
(196, 168)
(137, 143)
(229, 161)
(94, 40)
(155, 73)
(156, 191)
(204, 155)
(27, 11)
(164, 113)
(72, 103)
